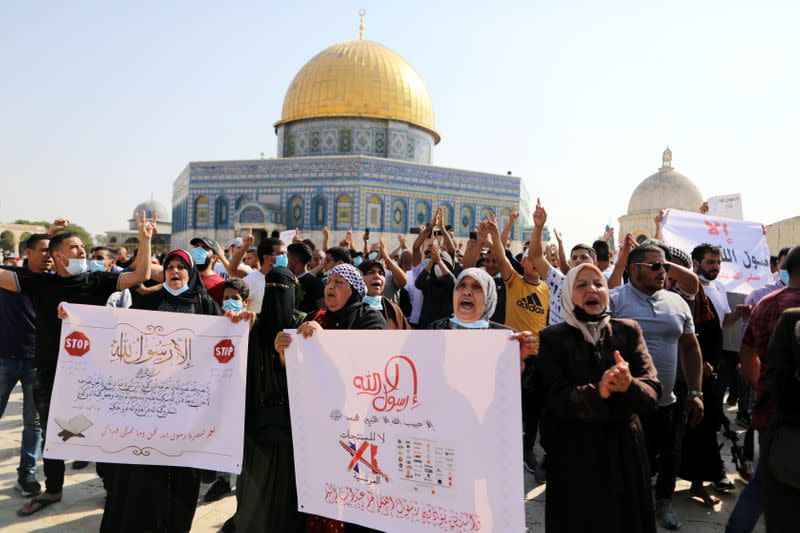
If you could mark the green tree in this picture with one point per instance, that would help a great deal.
(85, 236)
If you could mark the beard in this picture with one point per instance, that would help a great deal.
(708, 274)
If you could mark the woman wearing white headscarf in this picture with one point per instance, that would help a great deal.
(474, 301)
(598, 377)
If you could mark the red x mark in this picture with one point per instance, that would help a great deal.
(358, 456)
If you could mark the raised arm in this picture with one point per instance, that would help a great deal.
(472, 253)
(512, 219)
(416, 254)
(326, 233)
(686, 280)
(563, 265)
(447, 239)
(622, 260)
(234, 267)
(659, 220)
(399, 277)
(58, 224)
(147, 228)
(535, 252)
(498, 248)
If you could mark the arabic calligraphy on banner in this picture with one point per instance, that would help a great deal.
(395, 435)
(745, 255)
(147, 387)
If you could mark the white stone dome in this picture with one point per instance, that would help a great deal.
(150, 207)
(665, 189)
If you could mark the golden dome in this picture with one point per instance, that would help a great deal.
(359, 78)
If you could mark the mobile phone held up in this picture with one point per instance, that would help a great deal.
(366, 232)
(473, 235)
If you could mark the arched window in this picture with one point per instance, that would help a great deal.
(466, 219)
(399, 216)
(319, 212)
(201, 210)
(422, 212)
(374, 213)
(294, 212)
(242, 201)
(344, 212)
(221, 211)
(252, 214)
(486, 212)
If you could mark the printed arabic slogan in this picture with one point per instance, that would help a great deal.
(410, 431)
(745, 255)
(146, 387)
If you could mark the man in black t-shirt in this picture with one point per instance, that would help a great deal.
(299, 255)
(72, 283)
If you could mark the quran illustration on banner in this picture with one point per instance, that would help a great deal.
(145, 387)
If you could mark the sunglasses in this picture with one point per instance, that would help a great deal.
(655, 266)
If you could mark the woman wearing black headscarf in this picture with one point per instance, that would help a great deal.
(160, 498)
(344, 309)
(266, 493)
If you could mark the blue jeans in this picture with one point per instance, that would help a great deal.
(750, 504)
(24, 371)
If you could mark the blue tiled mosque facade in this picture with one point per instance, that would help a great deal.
(224, 199)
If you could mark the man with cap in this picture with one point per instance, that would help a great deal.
(223, 266)
(203, 254)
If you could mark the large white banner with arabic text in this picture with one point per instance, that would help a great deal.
(408, 430)
(146, 387)
(745, 255)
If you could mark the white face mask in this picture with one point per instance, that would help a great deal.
(77, 266)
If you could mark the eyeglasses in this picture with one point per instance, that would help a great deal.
(655, 266)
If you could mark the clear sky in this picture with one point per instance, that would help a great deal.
(104, 103)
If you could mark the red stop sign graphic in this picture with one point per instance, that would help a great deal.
(76, 343)
(223, 351)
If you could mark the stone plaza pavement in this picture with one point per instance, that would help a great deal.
(82, 505)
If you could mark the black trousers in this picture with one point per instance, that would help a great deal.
(663, 433)
(53, 468)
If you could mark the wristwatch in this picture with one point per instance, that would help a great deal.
(695, 394)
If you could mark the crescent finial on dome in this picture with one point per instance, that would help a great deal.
(666, 158)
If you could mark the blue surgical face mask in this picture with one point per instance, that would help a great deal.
(478, 324)
(703, 278)
(175, 292)
(357, 260)
(425, 262)
(97, 266)
(783, 276)
(372, 256)
(281, 261)
(373, 301)
(77, 266)
(199, 256)
(232, 304)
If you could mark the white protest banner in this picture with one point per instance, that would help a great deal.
(727, 206)
(745, 255)
(408, 430)
(146, 387)
(287, 236)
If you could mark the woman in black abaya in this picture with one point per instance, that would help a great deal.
(160, 499)
(266, 492)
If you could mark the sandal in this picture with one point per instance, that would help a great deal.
(42, 502)
(701, 495)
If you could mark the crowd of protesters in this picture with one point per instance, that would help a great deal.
(621, 353)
